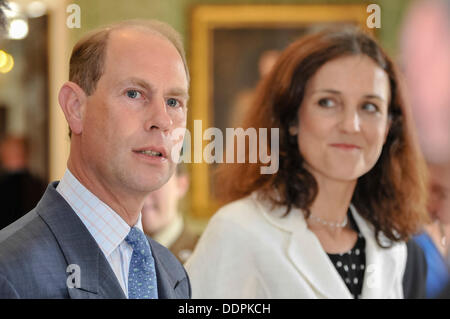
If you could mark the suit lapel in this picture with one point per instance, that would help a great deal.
(97, 280)
(307, 255)
(383, 266)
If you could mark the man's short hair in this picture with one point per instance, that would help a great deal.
(88, 55)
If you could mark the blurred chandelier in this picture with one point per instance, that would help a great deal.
(18, 15)
(6, 62)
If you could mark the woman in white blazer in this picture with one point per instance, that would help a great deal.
(350, 189)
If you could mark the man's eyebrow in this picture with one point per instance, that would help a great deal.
(178, 92)
(138, 82)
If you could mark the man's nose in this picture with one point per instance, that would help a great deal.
(158, 117)
(350, 121)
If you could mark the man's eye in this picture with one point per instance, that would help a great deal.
(326, 102)
(133, 94)
(172, 102)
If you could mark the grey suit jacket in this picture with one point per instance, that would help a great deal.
(36, 250)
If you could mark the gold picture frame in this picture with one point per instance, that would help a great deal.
(206, 21)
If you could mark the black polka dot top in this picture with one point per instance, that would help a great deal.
(351, 264)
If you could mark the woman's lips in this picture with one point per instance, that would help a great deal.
(345, 146)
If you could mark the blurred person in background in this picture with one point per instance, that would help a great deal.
(162, 220)
(434, 240)
(244, 98)
(336, 219)
(20, 190)
(425, 48)
(425, 54)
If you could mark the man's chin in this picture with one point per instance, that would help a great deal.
(154, 181)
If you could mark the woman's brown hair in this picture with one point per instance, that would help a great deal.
(391, 196)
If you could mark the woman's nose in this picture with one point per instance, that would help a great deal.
(351, 121)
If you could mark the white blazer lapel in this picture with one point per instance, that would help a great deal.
(306, 253)
(383, 266)
(308, 256)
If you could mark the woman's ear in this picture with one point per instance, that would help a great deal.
(72, 100)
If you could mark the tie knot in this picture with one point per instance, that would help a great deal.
(137, 240)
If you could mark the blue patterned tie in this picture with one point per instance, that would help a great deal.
(142, 275)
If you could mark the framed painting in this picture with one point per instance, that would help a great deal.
(231, 48)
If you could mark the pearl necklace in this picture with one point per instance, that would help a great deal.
(330, 224)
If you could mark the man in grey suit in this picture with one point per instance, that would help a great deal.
(125, 103)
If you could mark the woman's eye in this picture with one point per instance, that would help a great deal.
(133, 94)
(326, 102)
(370, 107)
(172, 102)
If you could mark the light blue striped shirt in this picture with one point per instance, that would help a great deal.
(106, 226)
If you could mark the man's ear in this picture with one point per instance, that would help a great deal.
(72, 100)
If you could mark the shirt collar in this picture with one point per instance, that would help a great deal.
(104, 224)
